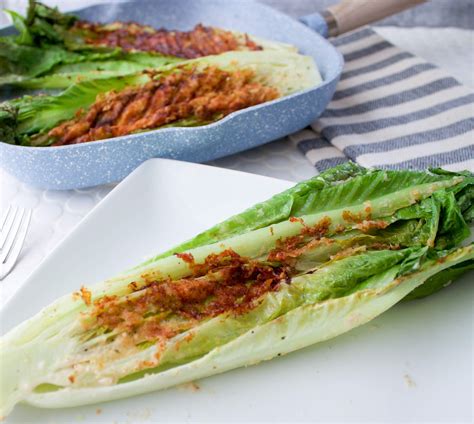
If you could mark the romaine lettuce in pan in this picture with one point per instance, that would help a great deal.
(309, 264)
(54, 50)
(190, 93)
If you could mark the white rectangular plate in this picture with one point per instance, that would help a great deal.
(414, 363)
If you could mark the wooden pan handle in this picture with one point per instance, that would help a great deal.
(351, 14)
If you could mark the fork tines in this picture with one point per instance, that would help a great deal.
(14, 226)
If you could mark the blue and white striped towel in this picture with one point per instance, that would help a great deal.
(391, 110)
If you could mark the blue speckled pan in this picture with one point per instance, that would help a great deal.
(89, 164)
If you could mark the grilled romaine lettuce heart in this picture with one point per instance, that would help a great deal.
(306, 265)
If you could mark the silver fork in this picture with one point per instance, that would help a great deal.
(14, 226)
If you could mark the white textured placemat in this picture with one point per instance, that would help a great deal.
(57, 213)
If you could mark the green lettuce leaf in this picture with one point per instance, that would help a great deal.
(24, 37)
(42, 25)
(439, 281)
(22, 62)
(64, 75)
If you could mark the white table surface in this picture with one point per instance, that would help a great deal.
(56, 213)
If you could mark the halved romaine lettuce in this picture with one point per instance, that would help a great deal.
(286, 71)
(345, 185)
(368, 238)
(275, 334)
(44, 52)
